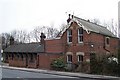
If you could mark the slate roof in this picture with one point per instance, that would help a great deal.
(25, 48)
(95, 27)
(89, 26)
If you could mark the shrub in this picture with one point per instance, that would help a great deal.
(119, 62)
(58, 64)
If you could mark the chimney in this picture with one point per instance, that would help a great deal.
(69, 19)
(42, 39)
(11, 40)
(72, 16)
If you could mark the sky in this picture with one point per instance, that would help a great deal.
(27, 14)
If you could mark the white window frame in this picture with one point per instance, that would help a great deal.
(79, 36)
(68, 59)
(68, 36)
(80, 53)
(79, 58)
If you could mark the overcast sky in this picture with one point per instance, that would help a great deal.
(27, 14)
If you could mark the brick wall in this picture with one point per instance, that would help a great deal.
(54, 46)
(46, 59)
(17, 62)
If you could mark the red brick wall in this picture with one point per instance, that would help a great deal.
(32, 64)
(17, 62)
(46, 59)
(54, 46)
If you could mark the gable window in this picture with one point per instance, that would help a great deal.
(107, 40)
(80, 35)
(80, 58)
(69, 58)
(69, 36)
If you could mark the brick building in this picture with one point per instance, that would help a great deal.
(77, 43)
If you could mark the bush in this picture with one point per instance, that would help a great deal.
(104, 66)
(112, 68)
(118, 62)
(58, 64)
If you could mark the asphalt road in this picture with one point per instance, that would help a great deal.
(18, 74)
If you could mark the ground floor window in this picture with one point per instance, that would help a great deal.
(80, 58)
(69, 58)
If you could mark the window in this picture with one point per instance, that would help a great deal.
(69, 58)
(107, 40)
(80, 35)
(69, 36)
(80, 58)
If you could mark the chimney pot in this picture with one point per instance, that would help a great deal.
(68, 20)
(11, 40)
(72, 16)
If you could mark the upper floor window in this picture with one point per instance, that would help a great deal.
(80, 35)
(69, 36)
(107, 40)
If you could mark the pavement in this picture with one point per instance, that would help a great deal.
(71, 74)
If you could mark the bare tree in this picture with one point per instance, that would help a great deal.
(63, 27)
(96, 21)
(5, 39)
(113, 26)
(37, 32)
(19, 35)
(52, 32)
(28, 38)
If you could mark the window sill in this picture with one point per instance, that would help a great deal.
(69, 62)
(69, 44)
(80, 43)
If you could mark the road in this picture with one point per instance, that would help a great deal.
(9, 73)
